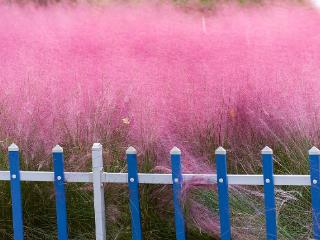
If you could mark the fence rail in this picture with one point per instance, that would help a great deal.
(158, 178)
(98, 177)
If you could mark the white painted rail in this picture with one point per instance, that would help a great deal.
(158, 178)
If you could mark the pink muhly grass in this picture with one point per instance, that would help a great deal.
(155, 77)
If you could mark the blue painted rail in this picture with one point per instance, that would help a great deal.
(98, 177)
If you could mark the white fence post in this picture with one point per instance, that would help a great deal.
(98, 191)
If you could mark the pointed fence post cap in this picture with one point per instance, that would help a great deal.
(96, 146)
(131, 150)
(266, 150)
(13, 148)
(314, 151)
(57, 149)
(175, 151)
(221, 150)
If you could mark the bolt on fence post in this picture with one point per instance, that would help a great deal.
(17, 214)
(314, 157)
(177, 186)
(98, 191)
(133, 184)
(61, 208)
(269, 196)
(223, 194)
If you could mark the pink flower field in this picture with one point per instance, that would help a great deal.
(156, 76)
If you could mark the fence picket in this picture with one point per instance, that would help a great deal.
(314, 157)
(133, 184)
(269, 196)
(223, 194)
(17, 214)
(98, 192)
(61, 209)
(177, 186)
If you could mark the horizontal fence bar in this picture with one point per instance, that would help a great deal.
(43, 176)
(157, 178)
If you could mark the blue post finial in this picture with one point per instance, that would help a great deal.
(13, 148)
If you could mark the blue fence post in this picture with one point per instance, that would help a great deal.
(177, 186)
(17, 216)
(269, 196)
(61, 208)
(314, 157)
(223, 194)
(133, 184)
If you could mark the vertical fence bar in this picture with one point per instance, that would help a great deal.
(314, 157)
(61, 209)
(17, 215)
(269, 196)
(177, 186)
(133, 183)
(98, 192)
(223, 194)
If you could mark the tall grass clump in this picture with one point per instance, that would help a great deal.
(154, 76)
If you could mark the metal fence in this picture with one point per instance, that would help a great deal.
(98, 177)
